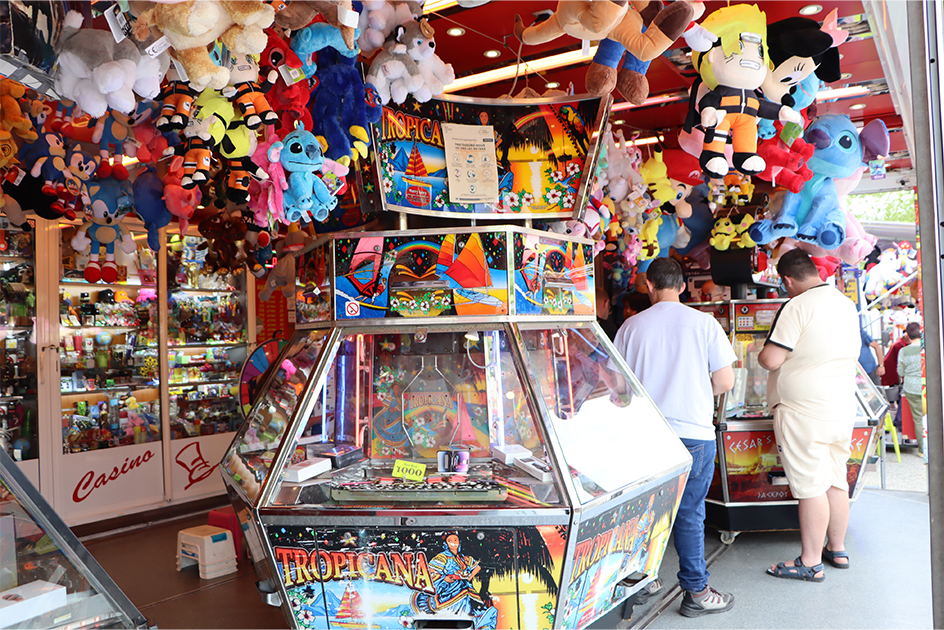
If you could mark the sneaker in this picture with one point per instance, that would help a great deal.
(707, 602)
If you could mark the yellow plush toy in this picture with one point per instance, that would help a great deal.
(722, 234)
(656, 175)
(12, 118)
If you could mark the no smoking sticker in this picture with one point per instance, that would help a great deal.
(352, 309)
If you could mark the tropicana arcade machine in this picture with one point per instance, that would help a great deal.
(445, 439)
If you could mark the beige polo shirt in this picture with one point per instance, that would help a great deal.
(820, 328)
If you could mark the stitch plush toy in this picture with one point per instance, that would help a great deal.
(340, 112)
(149, 205)
(731, 70)
(306, 197)
(106, 204)
(245, 91)
(398, 69)
(192, 25)
(814, 214)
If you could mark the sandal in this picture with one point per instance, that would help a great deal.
(830, 557)
(798, 571)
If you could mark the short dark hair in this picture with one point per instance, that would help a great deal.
(913, 330)
(796, 264)
(665, 273)
(637, 301)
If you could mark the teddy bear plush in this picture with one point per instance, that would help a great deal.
(338, 13)
(307, 197)
(282, 276)
(108, 202)
(93, 70)
(12, 118)
(192, 25)
(408, 65)
(342, 107)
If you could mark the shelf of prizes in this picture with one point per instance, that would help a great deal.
(749, 491)
(119, 400)
(428, 449)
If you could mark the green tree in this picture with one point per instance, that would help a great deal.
(885, 206)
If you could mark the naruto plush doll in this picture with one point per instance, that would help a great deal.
(730, 72)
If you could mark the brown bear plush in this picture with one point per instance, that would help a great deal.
(338, 13)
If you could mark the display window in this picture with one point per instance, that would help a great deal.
(108, 350)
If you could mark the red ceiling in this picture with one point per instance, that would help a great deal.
(490, 27)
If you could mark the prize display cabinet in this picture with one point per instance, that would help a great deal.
(451, 438)
(749, 491)
(136, 393)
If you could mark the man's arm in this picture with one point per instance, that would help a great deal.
(772, 356)
(877, 347)
(722, 380)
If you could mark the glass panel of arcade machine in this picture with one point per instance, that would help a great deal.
(452, 401)
(610, 432)
(748, 399)
(872, 398)
(261, 435)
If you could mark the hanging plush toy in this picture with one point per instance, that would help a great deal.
(338, 13)
(237, 148)
(408, 65)
(12, 118)
(308, 41)
(342, 108)
(379, 18)
(307, 197)
(180, 201)
(815, 215)
(106, 204)
(192, 25)
(177, 99)
(149, 205)
(731, 70)
(290, 100)
(282, 276)
(245, 92)
(205, 130)
(265, 195)
(115, 132)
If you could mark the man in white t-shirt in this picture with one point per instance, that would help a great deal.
(683, 358)
(811, 351)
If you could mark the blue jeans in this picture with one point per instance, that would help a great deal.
(689, 531)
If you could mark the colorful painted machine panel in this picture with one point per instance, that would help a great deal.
(752, 462)
(552, 277)
(421, 276)
(627, 540)
(313, 286)
(388, 578)
(541, 149)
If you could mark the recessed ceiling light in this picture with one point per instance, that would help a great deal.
(618, 122)
(491, 54)
(845, 76)
(811, 9)
(456, 31)
(552, 85)
(857, 106)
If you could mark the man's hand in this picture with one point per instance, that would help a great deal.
(881, 370)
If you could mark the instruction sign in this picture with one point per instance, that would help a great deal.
(471, 163)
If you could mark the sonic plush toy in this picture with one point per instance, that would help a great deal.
(106, 204)
(814, 215)
(150, 206)
(307, 196)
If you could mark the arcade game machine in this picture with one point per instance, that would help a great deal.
(47, 578)
(750, 491)
(447, 453)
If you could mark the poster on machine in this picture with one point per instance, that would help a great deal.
(553, 277)
(388, 578)
(629, 539)
(541, 148)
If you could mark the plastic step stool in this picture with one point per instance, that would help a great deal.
(208, 546)
(227, 519)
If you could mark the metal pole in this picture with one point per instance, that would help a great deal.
(925, 31)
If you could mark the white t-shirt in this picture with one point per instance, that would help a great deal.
(820, 328)
(673, 349)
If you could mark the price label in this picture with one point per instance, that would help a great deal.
(410, 471)
(791, 131)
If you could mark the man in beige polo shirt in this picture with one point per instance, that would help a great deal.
(811, 352)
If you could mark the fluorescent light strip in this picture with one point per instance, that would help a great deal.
(846, 92)
(439, 5)
(525, 67)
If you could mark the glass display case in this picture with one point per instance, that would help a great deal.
(749, 491)
(47, 578)
(18, 383)
(394, 464)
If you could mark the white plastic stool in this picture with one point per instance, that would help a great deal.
(208, 546)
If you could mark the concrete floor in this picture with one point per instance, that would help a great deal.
(888, 585)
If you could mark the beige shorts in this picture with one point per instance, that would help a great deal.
(813, 452)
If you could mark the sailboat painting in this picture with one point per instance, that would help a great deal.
(463, 274)
(552, 276)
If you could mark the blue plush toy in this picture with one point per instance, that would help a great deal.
(630, 76)
(106, 203)
(803, 97)
(814, 215)
(341, 107)
(307, 197)
(149, 205)
(319, 36)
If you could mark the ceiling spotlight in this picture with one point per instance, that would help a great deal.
(618, 122)
(811, 9)
(552, 85)
(456, 31)
(491, 54)
(857, 106)
(845, 76)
